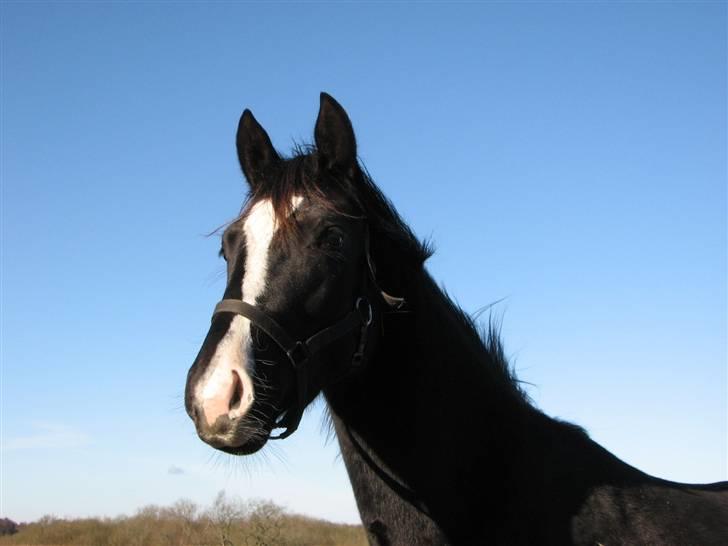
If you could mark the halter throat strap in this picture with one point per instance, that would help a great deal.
(393, 302)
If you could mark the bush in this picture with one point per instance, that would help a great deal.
(8, 527)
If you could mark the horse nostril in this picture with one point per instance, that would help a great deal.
(227, 393)
(237, 392)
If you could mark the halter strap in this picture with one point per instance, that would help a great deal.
(300, 352)
(394, 302)
(305, 348)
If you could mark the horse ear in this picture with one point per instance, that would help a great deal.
(334, 137)
(255, 150)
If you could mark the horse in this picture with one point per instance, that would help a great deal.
(327, 293)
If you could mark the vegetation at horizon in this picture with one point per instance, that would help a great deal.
(226, 522)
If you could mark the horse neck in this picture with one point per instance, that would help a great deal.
(429, 377)
(436, 420)
(430, 397)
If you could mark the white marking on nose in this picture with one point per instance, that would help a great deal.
(216, 389)
(234, 353)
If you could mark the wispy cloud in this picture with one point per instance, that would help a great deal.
(175, 470)
(47, 436)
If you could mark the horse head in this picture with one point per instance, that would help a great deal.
(302, 296)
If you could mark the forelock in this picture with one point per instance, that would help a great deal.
(299, 177)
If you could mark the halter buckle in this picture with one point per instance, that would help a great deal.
(369, 316)
(366, 314)
(299, 349)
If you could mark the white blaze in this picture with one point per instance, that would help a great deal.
(234, 353)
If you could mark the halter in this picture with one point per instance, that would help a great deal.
(301, 352)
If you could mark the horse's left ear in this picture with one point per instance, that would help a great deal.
(334, 137)
(255, 150)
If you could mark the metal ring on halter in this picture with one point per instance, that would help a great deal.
(366, 319)
(298, 348)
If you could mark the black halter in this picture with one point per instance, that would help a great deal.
(300, 352)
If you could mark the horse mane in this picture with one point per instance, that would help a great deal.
(493, 361)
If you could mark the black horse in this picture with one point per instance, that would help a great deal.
(327, 293)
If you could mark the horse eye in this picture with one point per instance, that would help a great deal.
(222, 254)
(333, 239)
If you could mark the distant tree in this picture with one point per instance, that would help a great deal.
(45, 524)
(144, 526)
(8, 527)
(265, 522)
(184, 509)
(225, 515)
(181, 522)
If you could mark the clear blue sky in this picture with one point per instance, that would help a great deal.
(570, 157)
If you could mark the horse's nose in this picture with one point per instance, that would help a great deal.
(224, 395)
(221, 394)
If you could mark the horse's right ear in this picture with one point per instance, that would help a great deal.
(334, 137)
(255, 150)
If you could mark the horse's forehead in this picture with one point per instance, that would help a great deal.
(260, 223)
(259, 228)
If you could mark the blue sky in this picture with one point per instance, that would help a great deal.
(568, 157)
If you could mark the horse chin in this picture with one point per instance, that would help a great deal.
(245, 444)
(248, 448)
(242, 438)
